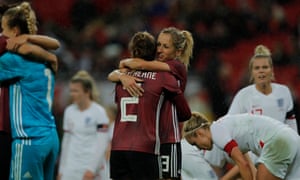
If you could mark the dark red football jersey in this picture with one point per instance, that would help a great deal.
(4, 95)
(2, 44)
(137, 122)
(180, 72)
(169, 122)
(4, 108)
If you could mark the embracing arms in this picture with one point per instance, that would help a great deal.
(45, 42)
(35, 46)
(129, 82)
(140, 64)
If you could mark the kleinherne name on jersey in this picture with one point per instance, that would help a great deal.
(143, 74)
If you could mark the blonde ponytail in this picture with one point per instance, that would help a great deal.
(30, 17)
(187, 53)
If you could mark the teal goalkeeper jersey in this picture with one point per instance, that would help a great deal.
(31, 96)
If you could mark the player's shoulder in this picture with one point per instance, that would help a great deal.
(280, 86)
(71, 108)
(177, 67)
(166, 77)
(99, 110)
(246, 90)
(16, 63)
(10, 55)
(14, 59)
(174, 62)
(97, 106)
(281, 90)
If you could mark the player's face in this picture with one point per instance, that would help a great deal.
(77, 93)
(6, 30)
(165, 48)
(262, 71)
(202, 140)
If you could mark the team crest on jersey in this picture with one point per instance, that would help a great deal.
(87, 121)
(280, 102)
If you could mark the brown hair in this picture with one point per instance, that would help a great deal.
(142, 45)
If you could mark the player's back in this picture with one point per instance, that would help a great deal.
(137, 122)
(31, 95)
(250, 131)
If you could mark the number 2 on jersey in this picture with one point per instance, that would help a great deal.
(124, 102)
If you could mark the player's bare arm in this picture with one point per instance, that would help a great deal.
(46, 42)
(36, 51)
(140, 64)
(242, 163)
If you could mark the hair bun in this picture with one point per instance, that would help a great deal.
(262, 50)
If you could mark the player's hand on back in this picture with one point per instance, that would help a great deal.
(132, 85)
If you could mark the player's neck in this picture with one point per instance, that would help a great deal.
(84, 105)
(265, 88)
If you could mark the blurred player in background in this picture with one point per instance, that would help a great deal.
(86, 135)
(264, 97)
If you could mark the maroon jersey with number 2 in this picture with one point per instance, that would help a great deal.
(137, 123)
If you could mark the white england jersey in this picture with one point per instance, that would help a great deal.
(278, 105)
(85, 141)
(277, 145)
(194, 166)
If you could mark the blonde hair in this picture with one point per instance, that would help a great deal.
(183, 41)
(22, 16)
(196, 122)
(260, 51)
(87, 82)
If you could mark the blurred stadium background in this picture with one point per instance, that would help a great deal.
(94, 36)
